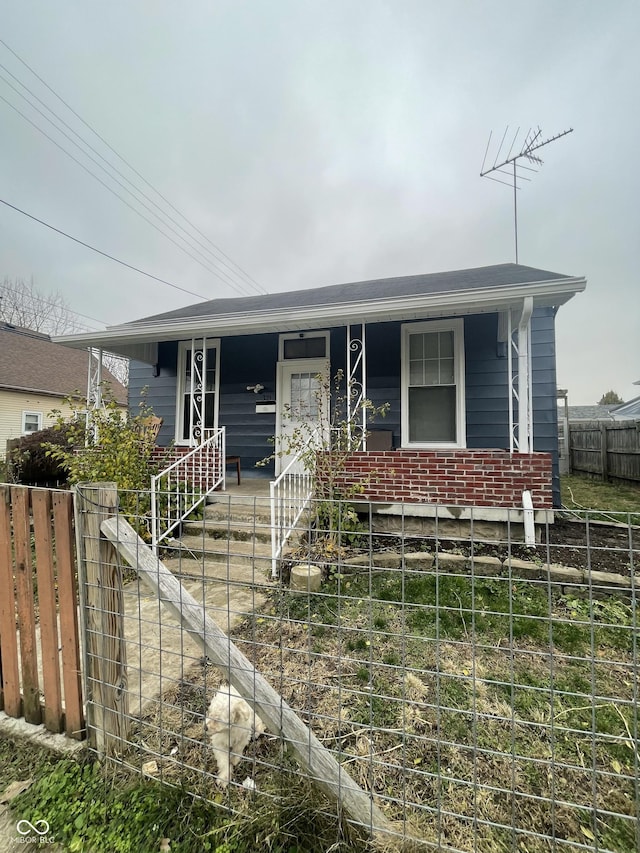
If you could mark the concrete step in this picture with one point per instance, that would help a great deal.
(220, 513)
(221, 550)
(239, 531)
(239, 574)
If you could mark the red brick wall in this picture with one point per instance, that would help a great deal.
(459, 477)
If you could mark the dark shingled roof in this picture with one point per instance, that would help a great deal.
(30, 361)
(453, 281)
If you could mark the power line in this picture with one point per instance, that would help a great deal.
(110, 189)
(100, 252)
(220, 274)
(249, 279)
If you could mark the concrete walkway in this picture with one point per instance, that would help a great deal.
(160, 654)
(223, 561)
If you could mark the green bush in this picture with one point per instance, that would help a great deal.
(115, 448)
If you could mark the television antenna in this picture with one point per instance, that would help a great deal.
(512, 166)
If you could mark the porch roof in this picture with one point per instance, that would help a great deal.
(454, 293)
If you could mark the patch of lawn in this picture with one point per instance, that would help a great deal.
(458, 607)
(90, 807)
(587, 493)
(21, 759)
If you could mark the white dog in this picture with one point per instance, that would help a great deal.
(230, 724)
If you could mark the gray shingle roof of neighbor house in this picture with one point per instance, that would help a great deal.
(455, 281)
(590, 413)
(31, 362)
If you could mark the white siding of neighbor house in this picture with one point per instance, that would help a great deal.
(12, 406)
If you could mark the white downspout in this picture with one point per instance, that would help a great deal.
(529, 527)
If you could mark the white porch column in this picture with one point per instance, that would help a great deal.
(520, 380)
(356, 380)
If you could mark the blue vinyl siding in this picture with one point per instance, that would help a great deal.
(486, 384)
(487, 392)
(161, 389)
(545, 406)
(383, 374)
(246, 361)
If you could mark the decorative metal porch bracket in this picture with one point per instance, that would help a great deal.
(198, 386)
(356, 381)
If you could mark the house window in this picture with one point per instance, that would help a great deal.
(304, 345)
(198, 390)
(31, 422)
(433, 384)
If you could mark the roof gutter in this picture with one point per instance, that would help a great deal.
(399, 307)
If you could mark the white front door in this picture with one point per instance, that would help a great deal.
(303, 403)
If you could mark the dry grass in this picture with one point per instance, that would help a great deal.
(468, 739)
(590, 493)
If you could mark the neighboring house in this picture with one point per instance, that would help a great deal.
(466, 360)
(629, 410)
(596, 412)
(35, 377)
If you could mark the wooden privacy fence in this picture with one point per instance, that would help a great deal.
(40, 675)
(608, 448)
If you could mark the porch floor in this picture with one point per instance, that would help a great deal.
(257, 487)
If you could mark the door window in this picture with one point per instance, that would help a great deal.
(305, 391)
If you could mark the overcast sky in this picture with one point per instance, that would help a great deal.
(324, 142)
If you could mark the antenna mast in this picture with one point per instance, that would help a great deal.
(513, 168)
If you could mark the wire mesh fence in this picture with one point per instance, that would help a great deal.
(482, 694)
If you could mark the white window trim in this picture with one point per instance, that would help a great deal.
(457, 327)
(183, 346)
(38, 415)
(294, 336)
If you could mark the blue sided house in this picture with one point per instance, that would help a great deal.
(465, 359)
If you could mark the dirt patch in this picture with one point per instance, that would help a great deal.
(594, 545)
(599, 546)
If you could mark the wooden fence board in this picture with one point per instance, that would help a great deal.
(8, 640)
(608, 448)
(24, 600)
(47, 609)
(68, 602)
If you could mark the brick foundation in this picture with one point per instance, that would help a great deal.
(494, 478)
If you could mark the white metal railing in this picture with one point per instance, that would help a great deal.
(184, 485)
(290, 495)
